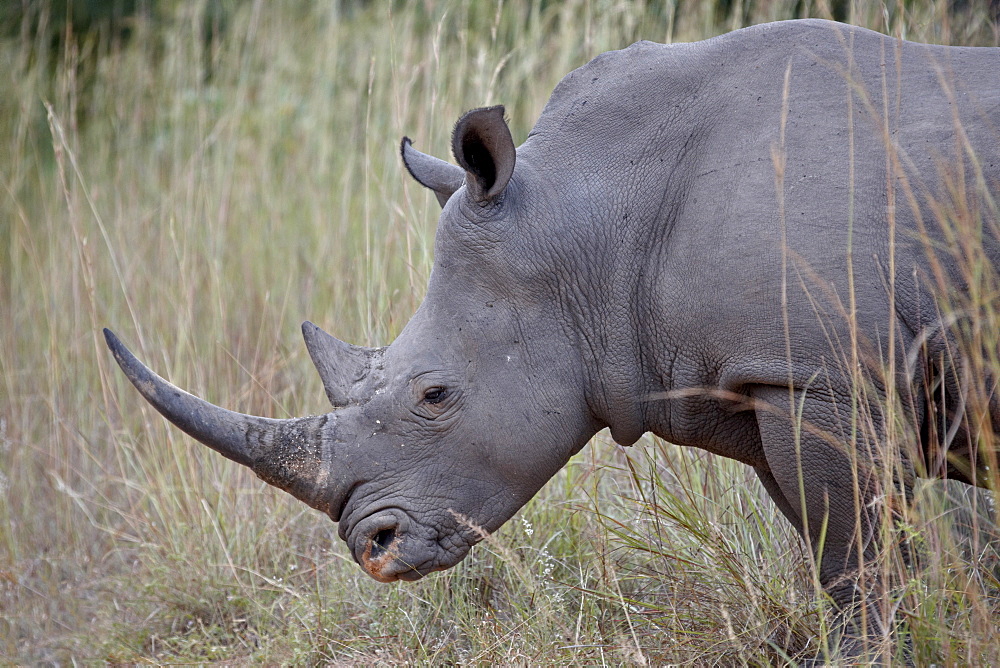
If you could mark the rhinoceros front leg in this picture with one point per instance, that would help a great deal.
(828, 489)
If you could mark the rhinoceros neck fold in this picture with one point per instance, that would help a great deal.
(289, 454)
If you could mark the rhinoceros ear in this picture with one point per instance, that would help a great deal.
(441, 177)
(484, 148)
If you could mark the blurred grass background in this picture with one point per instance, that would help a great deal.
(203, 176)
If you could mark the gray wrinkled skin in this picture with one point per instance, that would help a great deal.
(634, 266)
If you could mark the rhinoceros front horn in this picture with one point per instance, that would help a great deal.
(293, 455)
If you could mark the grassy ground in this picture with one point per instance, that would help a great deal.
(203, 187)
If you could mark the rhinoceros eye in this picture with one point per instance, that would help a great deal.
(435, 395)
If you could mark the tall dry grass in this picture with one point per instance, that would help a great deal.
(204, 195)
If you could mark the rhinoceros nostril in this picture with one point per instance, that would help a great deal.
(381, 542)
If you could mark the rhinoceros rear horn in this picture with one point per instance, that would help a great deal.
(292, 455)
(484, 148)
(341, 366)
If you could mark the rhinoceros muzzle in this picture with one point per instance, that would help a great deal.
(299, 456)
(390, 543)
(387, 550)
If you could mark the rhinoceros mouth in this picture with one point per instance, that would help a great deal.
(389, 545)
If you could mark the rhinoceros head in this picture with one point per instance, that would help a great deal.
(440, 437)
